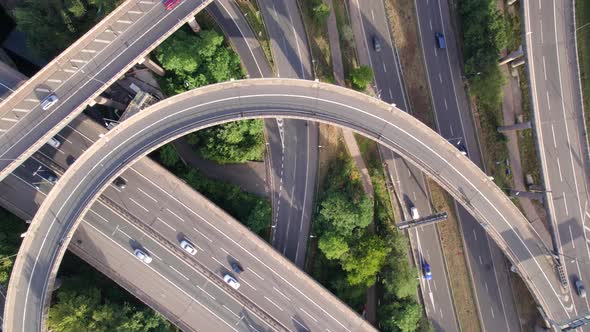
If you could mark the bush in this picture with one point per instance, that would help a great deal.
(11, 228)
(401, 316)
(361, 77)
(321, 12)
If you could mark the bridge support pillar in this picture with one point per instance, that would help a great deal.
(109, 102)
(192, 22)
(151, 65)
(516, 126)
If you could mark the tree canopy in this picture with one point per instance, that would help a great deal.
(361, 77)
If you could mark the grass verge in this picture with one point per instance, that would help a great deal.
(526, 141)
(347, 47)
(583, 36)
(317, 35)
(251, 11)
(455, 259)
(403, 24)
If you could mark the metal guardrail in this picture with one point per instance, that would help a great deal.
(423, 221)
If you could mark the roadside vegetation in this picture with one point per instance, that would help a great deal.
(583, 36)
(315, 15)
(89, 301)
(192, 61)
(251, 11)
(347, 47)
(11, 227)
(52, 26)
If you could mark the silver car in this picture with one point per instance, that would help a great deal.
(49, 101)
(231, 281)
(188, 247)
(53, 142)
(142, 256)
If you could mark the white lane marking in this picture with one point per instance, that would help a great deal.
(430, 23)
(204, 291)
(163, 277)
(587, 228)
(203, 235)
(373, 14)
(261, 278)
(102, 41)
(548, 102)
(228, 309)
(148, 195)
(79, 61)
(278, 291)
(572, 236)
(146, 2)
(9, 119)
(151, 252)
(122, 232)
(440, 77)
(177, 216)
(71, 71)
(175, 270)
(299, 323)
(541, 30)
(247, 283)
(165, 223)
(98, 215)
(136, 12)
(41, 89)
(64, 138)
(474, 235)
(20, 110)
(544, 68)
(32, 100)
(384, 67)
(310, 316)
(276, 305)
(218, 261)
(553, 132)
(124, 21)
(53, 80)
(390, 93)
(559, 169)
(88, 51)
(141, 206)
(492, 309)
(480, 261)
(487, 289)
(446, 106)
(565, 204)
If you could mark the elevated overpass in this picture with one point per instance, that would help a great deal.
(82, 72)
(53, 226)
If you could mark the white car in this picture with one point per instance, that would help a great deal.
(142, 256)
(53, 142)
(188, 247)
(49, 101)
(414, 213)
(231, 281)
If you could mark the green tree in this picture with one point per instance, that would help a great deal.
(365, 260)
(361, 77)
(168, 156)
(10, 229)
(258, 219)
(333, 246)
(234, 142)
(179, 53)
(320, 13)
(399, 278)
(401, 316)
(341, 214)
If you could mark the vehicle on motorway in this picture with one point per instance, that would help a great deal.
(236, 267)
(188, 247)
(169, 4)
(231, 281)
(414, 212)
(376, 44)
(49, 101)
(580, 289)
(427, 271)
(142, 256)
(120, 183)
(53, 142)
(440, 40)
(462, 149)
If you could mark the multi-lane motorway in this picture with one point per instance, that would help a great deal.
(560, 133)
(311, 100)
(82, 72)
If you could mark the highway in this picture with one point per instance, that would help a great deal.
(193, 110)
(407, 179)
(560, 134)
(294, 153)
(454, 120)
(82, 72)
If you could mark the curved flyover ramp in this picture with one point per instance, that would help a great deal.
(50, 231)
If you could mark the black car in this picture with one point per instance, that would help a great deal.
(120, 183)
(236, 267)
(376, 44)
(46, 174)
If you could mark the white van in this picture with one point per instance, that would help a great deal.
(414, 213)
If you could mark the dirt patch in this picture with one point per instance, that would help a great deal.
(525, 305)
(401, 15)
(332, 145)
(455, 260)
(317, 35)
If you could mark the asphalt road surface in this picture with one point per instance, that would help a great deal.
(294, 152)
(489, 271)
(78, 75)
(561, 136)
(240, 99)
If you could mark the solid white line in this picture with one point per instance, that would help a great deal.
(165, 223)
(204, 291)
(310, 316)
(300, 324)
(203, 235)
(177, 216)
(261, 278)
(143, 192)
(559, 169)
(141, 206)
(175, 270)
(276, 305)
